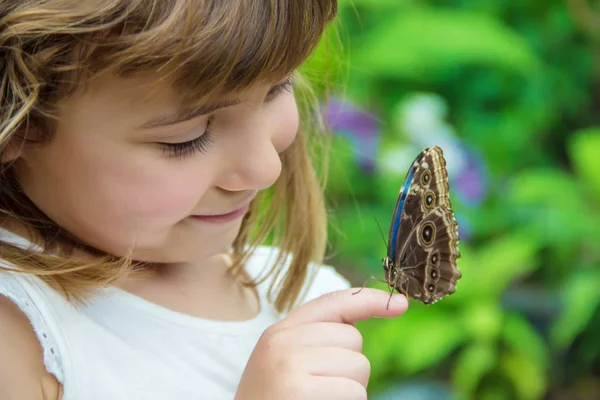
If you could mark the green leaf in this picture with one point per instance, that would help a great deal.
(343, 178)
(421, 43)
(546, 186)
(588, 351)
(467, 287)
(553, 206)
(522, 338)
(488, 271)
(472, 364)
(581, 297)
(584, 150)
(379, 345)
(421, 338)
(430, 336)
(493, 392)
(482, 320)
(505, 259)
(527, 376)
(349, 227)
(375, 4)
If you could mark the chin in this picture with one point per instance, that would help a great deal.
(193, 250)
(188, 245)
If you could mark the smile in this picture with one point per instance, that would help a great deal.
(223, 218)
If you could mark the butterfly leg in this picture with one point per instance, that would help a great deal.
(365, 284)
(404, 281)
(402, 291)
(390, 299)
(401, 287)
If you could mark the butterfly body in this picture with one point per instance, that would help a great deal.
(423, 240)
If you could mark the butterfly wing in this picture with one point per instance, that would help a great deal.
(429, 271)
(402, 195)
(424, 233)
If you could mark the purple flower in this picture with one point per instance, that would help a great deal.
(465, 231)
(471, 183)
(360, 127)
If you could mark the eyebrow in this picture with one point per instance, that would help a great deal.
(186, 114)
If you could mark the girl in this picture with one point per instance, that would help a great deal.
(137, 140)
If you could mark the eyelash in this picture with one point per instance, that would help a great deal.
(184, 149)
(202, 143)
(284, 87)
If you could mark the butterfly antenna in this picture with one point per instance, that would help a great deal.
(382, 236)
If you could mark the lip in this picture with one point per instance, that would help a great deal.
(228, 217)
(221, 218)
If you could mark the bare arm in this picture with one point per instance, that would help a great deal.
(23, 375)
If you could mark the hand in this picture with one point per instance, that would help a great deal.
(315, 353)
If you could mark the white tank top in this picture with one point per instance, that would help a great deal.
(120, 346)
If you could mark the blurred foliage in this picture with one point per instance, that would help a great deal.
(517, 84)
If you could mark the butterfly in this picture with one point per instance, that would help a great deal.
(423, 240)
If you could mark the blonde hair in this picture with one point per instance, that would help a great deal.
(203, 48)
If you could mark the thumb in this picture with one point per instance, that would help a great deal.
(345, 307)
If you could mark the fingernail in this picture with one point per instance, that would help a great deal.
(400, 299)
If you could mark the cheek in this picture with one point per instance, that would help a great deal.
(117, 188)
(286, 123)
(166, 194)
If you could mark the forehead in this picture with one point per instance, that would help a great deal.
(109, 93)
(214, 44)
(149, 90)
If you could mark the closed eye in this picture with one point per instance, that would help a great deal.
(284, 87)
(203, 142)
(200, 144)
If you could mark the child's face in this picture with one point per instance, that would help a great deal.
(106, 179)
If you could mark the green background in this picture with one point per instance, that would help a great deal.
(511, 86)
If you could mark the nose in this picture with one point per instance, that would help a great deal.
(253, 164)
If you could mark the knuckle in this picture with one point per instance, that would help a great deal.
(332, 296)
(292, 386)
(372, 296)
(270, 332)
(275, 338)
(365, 365)
(283, 356)
(355, 338)
(276, 349)
(284, 363)
(356, 391)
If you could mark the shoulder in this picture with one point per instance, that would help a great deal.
(23, 374)
(28, 335)
(321, 279)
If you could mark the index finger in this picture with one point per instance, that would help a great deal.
(344, 307)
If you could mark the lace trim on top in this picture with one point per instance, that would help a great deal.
(11, 288)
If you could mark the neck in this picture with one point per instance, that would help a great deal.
(205, 289)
